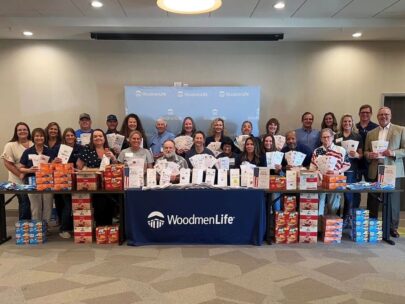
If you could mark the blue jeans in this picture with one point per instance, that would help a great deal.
(24, 207)
(352, 200)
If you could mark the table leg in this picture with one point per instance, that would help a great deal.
(3, 225)
(387, 218)
(122, 219)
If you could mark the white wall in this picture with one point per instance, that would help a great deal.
(43, 81)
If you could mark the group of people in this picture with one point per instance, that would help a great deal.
(161, 146)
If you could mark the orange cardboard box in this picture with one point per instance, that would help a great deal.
(290, 203)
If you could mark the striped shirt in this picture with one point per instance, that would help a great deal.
(338, 152)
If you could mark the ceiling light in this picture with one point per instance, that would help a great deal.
(96, 4)
(27, 33)
(279, 5)
(357, 35)
(189, 6)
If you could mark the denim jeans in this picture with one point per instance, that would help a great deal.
(24, 207)
(352, 200)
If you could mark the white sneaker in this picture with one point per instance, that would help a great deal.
(65, 235)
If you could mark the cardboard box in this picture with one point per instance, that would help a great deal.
(280, 219)
(330, 178)
(82, 218)
(277, 182)
(102, 235)
(292, 235)
(281, 235)
(291, 179)
(87, 181)
(81, 201)
(113, 234)
(261, 177)
(83, 235)
(289, 203)
(308, 180)
(308, 237)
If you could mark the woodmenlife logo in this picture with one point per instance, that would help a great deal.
(156, 220)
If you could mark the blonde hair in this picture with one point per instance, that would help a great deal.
(354, 129)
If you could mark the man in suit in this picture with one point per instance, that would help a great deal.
(395, 135)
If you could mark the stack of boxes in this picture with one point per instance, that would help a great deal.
(332, 229)
(360, 226)
(374, 230)
(287, 222)
(30, 232)
(82, 218)
(333, 182)
(107, 234)
(44, 177)
(308, 232)
(277, 182)
(114, 177)
(87, 180)
(63, 176)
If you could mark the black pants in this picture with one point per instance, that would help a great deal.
(103, 208)
(373, 203)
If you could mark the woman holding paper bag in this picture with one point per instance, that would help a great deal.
(68, 152)
(41, 204)
(334, 154)
(94, 155)
(11, 156)
(349, 139)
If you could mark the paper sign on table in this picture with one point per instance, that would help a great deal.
(165, 177)
(210, 176)
(151, 177)
(234, 177)
(222, 177)
(185, 176)
(247, 176)
(197, 176)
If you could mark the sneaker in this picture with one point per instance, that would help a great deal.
(65, 235)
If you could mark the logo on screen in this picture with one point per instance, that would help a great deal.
(138, 93)
(156, 219)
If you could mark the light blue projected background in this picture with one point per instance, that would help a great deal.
(203, 104)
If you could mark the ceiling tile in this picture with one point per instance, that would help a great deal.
(56, 8)
(17, 8)
(395, 11)
(265, 9)
(320, 8)
(142, 8)
(235, 8)
(364, 8)
(111, 8)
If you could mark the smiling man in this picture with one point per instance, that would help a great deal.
(395, 135)
(160, 137)
(306, 135)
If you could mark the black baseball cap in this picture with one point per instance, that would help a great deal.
(112, 117)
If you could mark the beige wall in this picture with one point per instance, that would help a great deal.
(43, 81)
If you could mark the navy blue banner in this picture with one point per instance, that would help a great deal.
(195, 216)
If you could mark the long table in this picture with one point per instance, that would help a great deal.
(3, 225)
(204, 216)
(386, 206)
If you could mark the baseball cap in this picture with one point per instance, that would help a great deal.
(84, 115)
(112, 117)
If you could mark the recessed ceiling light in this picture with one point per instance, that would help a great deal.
(27, 33)
(279, 5)
(96, 4)
(189, 6)
(357, 35)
